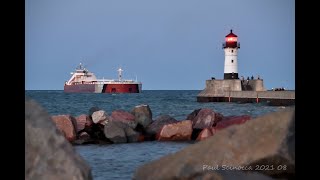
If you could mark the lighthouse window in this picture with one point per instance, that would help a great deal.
(232, 51)
(231, 61)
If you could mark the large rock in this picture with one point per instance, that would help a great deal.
(84, 138)
(180, 131)
(206, 118)
(114, 131)
(192, 115)
(67, 125)
(132, 135)
(47, 153)
(100, 117)
(204, 134)
(210, 174)
(231, 120)
(83, 121)
(267, 143)
(96, 131)
(155, 127)
(92, 110)
(142, 114)
(125, 117)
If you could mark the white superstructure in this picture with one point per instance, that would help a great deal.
(83, 76)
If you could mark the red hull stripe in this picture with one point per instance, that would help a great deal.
(120, 88)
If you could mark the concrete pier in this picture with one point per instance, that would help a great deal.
(247, 91)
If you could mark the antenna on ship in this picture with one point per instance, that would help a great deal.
(120, 74)
(80, 66)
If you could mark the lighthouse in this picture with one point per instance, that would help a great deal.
(233, 89)
(231, 47)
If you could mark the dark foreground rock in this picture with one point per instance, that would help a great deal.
(227, 175)
(48, 155)
(263, 145)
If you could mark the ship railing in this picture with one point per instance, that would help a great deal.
(103, 82)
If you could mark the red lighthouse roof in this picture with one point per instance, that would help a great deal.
(231, 34)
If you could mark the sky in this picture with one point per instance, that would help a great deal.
(167, 44)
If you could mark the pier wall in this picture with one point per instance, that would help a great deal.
(246, 91)
(282, 98)
(219, 87)
(252, 85)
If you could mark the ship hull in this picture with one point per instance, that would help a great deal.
(80, 88)
(121, 88)
(103, 88)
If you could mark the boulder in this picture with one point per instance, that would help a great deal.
(67, 125)
(141, 138)
(132, 135)
(180, 131)
(265, 144)
(204, 134)
(84, 136)
(100, 117)
(96, 131)
(192, 115)
(83, 121)
(125, 117)
(114, 131)
(221, 174)
(158, 123)
(48, 155)
(142, 114)
(231, 120)
(92, 110)
(206, 118)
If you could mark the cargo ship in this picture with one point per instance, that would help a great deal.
(84, 81)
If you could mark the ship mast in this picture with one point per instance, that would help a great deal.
(80, 66)
(120, 74)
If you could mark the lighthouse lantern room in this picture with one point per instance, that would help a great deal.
(231, 47)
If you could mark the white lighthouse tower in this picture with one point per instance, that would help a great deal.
(231, 47)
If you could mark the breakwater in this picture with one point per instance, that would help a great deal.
(244, 91)
(277, 98)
